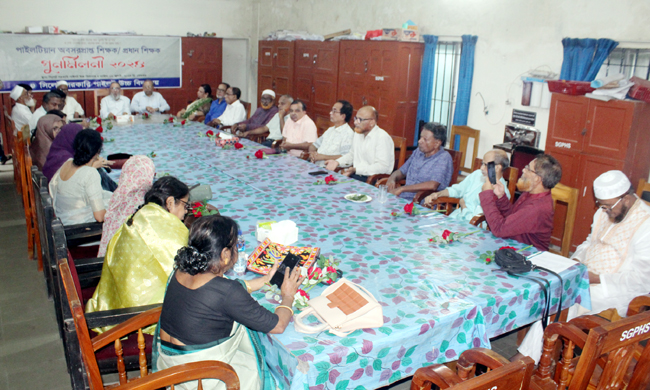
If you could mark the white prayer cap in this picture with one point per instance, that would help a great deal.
(611, 185)
(16, 92)
(60, 82)
(268, 92)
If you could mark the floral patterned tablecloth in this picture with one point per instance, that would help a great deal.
(438, 300)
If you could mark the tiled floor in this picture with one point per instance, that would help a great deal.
(31, 353)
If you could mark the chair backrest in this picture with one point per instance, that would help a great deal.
(522, 155)
(568, 195)
(400, 150)
(73, 95)
(322, 124)
(247, 106)
(460, 140)
(99, 94)
(643, 191)
(638, 305)
(457, 158)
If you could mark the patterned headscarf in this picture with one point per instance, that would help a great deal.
(135, 180)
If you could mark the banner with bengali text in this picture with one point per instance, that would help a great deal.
(89, 62)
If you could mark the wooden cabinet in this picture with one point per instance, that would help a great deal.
(590, 137)
(275, 67)
(316, 76)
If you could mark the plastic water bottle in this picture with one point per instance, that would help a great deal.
(242, 259)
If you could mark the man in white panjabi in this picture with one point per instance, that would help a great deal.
(20, 113)
(337, 140)
(148, 100)
(616, 253)
(115, 104)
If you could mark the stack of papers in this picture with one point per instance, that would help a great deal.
(555, 263)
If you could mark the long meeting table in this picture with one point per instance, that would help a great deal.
(437, 300)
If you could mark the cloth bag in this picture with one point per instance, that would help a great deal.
(342, 308)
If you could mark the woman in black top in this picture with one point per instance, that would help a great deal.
(208, 317)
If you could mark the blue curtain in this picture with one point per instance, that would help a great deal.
(426, 82)
(584, 57)
(465, 80)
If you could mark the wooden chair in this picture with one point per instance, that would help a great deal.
(400, 158)
(501, 374)
(612, 356)
(465, 133)
(568, 195)
(510, 174)
(88, 347)
(322, 124)
(247, 106)
(98, 95)
(11, 143)
(643, 191)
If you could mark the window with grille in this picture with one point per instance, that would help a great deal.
(630, 62)
(445, 83)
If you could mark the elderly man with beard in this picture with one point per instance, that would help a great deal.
(530, 218)
(260, 118)
(115, 104)
(616, 253)
(20, 113)
(468, 189)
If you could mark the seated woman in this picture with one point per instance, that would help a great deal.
(206, 316)
(47, 128)
(76, 188)
(200, 106)
(140, 256)
(135, 180)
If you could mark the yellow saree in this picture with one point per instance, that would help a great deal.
(138, 260)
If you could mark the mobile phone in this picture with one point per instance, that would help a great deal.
(287, 265)
(492, 175)
(316, 173)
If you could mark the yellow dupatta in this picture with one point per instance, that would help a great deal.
(138, 260)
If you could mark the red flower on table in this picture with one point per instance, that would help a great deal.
(99, 120)
(197, 205)
(238, 145)
(100, 129)
(197, 213)
(259, 154)
(329, 179)
(102, 138)
(446, 234)
(145, 115)
(408, 209)
(488, 260)
(315, 273)
(209, 133)
(183, 122)
(303, 294)
(171, 119)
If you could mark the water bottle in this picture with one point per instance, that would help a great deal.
(242, 259)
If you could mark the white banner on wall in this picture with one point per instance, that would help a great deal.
(89, 61)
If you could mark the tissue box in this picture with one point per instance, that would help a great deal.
(263, 230)
(400, 34)
(50, 29)
(122, 119)
(268, 252)
(34, 30)
(223, 142)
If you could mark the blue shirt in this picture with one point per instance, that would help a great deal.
(216, 109)
(419, 169)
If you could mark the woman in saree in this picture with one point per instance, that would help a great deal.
(135, 180)
(47, 128)
(140, 256)
(200, 106)
(206, 316)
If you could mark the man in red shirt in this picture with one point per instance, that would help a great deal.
(530, 218)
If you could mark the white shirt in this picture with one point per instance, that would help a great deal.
(336, 141)
(72, 106)
(371, 154)
(115, 107)
(38, 114)
(141, 101)
(21, 114)
(275, 132)
(235, 113)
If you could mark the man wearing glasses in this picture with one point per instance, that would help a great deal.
(218, 105)
(616, 253)
(235, 111)
(299, 132)
(530, 218)
(372, 152)
(337, 140)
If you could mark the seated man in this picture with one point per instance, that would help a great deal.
(337, 140)
(72, 108)
(429, 168)
(275, 124)
(20, 113)
(51, 101)
(373, 150)
(300, 131)
(616, 253)
(530, 219)
(261, 117)
(148, 101)
(115, 104)
(218, 105)
(468, 189)
(31, 102)
(235, 111)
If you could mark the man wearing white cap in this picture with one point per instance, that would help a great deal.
(148, 100)
(20, 114)
(616, 253)
(72, 108)
(260, 118)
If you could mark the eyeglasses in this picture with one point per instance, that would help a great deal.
(357, 119)
(608, 208)
(222, 90)
(527, 167)
(230, 94)
(335, 111)
(188, 207)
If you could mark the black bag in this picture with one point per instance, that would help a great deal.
(512, 262)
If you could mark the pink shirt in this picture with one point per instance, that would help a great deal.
(298, 132)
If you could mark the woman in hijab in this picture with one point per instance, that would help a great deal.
(135, 180)
(47, 129)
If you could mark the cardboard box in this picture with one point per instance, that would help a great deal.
(409, 36)
(400, 34)
(51, 30)
(34, 30)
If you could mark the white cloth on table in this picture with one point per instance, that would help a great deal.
(72, 106)
(77, 198)
(38, 114)
(235, 113)
(21, 115)
(115, 107)
(371, 154)
(141, 101)
(336, 141)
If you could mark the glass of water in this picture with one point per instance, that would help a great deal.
(382, 194)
